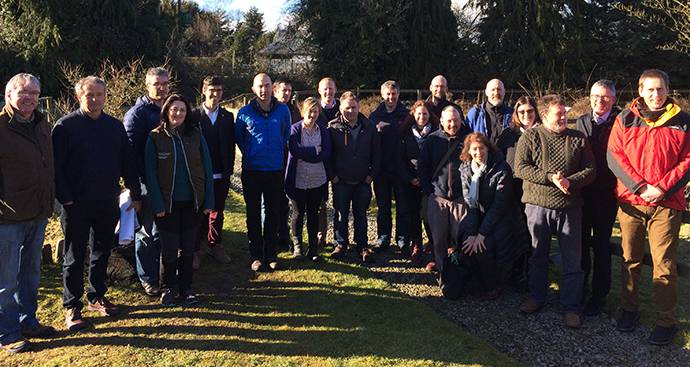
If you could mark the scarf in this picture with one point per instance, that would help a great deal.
(477, 172)
(420, 135)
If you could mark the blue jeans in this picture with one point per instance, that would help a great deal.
(567, 223)
(358, 196)
(147, 245)
(21, 247)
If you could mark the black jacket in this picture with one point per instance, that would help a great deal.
(352, 161)
(328, 115)
(408, 155)
(598, 136)
(225, 123)
(433, 151)
(390, 135)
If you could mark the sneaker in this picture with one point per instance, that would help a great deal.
(297, 252)
(662, 335)
(74, 321)
(167, 298)
(627, 322)
(417, 255)
(593, 307)
(104, 307)
(40, 331)
(256, 266)
(188, 299)
(18, 346)
(219, 254)
(431, 267)
(196, 260)
(338, 252)
(529, 306)
(273, 265)
(151, 289)
(573, 320)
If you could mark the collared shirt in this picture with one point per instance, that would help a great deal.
(327, 106)
(212, 115)
(601, 119)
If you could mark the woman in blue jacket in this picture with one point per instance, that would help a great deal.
(180, 183)
(306, 177)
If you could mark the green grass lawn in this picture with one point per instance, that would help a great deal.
(326, 314)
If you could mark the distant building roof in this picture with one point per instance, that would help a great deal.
(286, 45)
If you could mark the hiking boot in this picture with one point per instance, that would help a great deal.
(627, 322)
(151, 289)
(167, 298)
(256, 266)
(662, 335)
(431, 267)
(417, 255)
(74, 321)
(529, 306)
(18, 346)
(40, 331)
(593, 307)
(196, 260)
(297, 252)
(573, 320)
(104, 307)
(219, 254)
(338, 252)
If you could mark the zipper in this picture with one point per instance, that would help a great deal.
(189, 173)
(172, 189)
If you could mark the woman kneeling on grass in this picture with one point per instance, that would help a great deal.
(306, 177)
(180, 184)
(488, 249)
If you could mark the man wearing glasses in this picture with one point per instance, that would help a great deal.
(599, 210)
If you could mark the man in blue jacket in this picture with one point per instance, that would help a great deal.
(493, 116)
(387, 118)
(262, 131)
(139, 121)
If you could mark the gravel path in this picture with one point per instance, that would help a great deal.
(536, 340)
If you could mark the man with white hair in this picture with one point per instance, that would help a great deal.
(493, 116)
(600, 206)
(26, 202)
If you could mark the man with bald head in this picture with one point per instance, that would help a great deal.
(438, 100)
(439, 162)
(493, 116)
(262, 131)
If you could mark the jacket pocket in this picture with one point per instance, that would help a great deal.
(21, 205)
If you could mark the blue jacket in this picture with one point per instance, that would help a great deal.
(476, 119)
(389, 135)
(262, 136)
(307, 154)
(139, 121)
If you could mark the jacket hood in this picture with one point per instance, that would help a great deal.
(671, 110)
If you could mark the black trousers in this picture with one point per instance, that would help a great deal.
(598, 216)
(177, 231)
(307, 202)
(269, 184)
(411, 214)
(385, 188)
(80, 219)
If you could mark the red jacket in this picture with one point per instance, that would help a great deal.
(642, 151)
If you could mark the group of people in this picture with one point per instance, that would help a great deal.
(489, 188)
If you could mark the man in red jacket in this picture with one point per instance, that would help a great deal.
(649, 152)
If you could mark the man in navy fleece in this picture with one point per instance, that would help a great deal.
(91, 155)
(262, 131)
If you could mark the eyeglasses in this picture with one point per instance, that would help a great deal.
(603, 98)
(32, 93)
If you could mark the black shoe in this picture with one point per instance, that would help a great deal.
(189, 299)
(381, 247)
(593, 307)
(662, 335)
(627, 321)
(168, 298)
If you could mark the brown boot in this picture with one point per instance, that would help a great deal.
(573, 320)
(104, 307)
(529, 305)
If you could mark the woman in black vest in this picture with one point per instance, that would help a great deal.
(179, 177)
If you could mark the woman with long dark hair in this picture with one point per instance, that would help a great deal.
(180, 182)
(413, 132)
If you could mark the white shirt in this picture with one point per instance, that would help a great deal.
(212, 115)
(325, 106)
